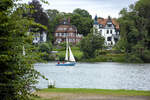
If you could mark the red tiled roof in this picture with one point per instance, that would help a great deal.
(104, 21)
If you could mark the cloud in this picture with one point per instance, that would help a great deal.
(102, 8)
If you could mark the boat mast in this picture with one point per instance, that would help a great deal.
(66, 57)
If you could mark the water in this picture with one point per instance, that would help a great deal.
(96, 75)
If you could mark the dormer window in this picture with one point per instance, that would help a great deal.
(109, 25)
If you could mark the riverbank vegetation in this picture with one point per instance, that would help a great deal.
(134, 43)
(135, 32)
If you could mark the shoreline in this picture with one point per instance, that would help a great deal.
(90, 94)
(99, 91)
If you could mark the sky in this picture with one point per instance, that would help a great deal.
(101, 8)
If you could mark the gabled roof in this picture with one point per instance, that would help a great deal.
(68, 29)
(103, 22)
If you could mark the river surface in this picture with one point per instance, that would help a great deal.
(96, 75)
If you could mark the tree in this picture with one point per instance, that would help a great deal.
(17, 74)
(135, 34)
(90, 44)
(52, 13)
(82, 12)
(82, 20)
(54, 18)
(45, 47)
(36, 12)
(83, 24)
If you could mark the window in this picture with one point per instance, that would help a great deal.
(60, 28)
(111, 31)
(107, 31)
(70, 29)
(108, 38)
(65, 28)
(57, 34)
(100, 31)
(109, 25)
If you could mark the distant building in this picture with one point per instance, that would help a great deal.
(108, 28)
(40, 37)
(66, 30)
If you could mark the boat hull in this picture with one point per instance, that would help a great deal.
(67, 64)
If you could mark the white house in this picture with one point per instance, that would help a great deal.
(40, 37)
(108, 28)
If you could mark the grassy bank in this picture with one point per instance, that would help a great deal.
(103, 92)
(101, 55)
(98, 91)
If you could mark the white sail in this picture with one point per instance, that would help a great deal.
(23, 51)
(66, 57)
(71, 57)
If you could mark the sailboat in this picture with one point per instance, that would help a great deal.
(69, 58)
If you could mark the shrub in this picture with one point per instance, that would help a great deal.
(45, 47)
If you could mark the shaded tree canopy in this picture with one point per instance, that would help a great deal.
(82, 12)
(36, 12)
(135, 31)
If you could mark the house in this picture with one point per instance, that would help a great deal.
(40, 37)
(66, 30)
(108, 28)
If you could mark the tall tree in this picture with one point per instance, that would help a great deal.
(36, 12)
(82, 12)
(90, 44)
(135, 32)
(17, 74)
(83, 24)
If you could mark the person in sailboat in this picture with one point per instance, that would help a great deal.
(69, 58)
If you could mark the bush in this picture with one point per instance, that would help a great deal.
(45, 47)
(132, 58)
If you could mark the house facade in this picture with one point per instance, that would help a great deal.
(108, 28)
(66, 30)
(40, 37)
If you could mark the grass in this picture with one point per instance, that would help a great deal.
(83, 91)
(98, 91)
(76, 52)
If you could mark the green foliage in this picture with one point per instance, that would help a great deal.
(45, 47)
(90, 44)
(82, 12)
(135, 31)
(83, 24)
(76, 52)
(53, 18)
(80, 18)
(17, 74)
